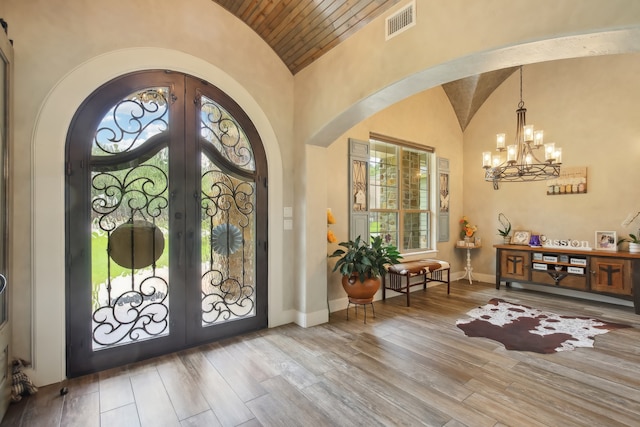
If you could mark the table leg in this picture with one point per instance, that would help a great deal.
(468, 269)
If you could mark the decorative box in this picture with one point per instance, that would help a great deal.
(578, 261)
(538, 266)
(575, 270)
(550, 258)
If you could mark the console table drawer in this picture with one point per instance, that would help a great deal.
(569, 281)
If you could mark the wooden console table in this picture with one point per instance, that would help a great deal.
(610, 273)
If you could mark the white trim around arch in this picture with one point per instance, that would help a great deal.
(48, 214)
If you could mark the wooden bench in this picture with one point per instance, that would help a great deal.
(426, 270)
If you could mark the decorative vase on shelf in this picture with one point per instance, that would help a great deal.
(467, 239)
(634, 248)
(506, 239)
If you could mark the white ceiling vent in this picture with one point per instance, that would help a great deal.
(400, 21)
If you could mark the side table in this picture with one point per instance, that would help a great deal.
(468, 270)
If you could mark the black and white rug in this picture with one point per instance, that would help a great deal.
(523, 328)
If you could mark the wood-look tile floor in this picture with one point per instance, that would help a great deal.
(408, 366)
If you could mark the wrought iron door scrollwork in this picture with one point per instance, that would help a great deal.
(133, 315)
(228, 287)
(132, 121)
(129, 185)
(140, 312)
(220, 129)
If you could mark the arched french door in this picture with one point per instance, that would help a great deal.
(166, 225)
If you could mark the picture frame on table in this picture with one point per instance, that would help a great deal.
(521, 237)
(606, 241)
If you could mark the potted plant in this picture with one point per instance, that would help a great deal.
(634, 243)
(362, 265)
(505, 231)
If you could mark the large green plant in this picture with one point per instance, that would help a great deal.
(365, 260)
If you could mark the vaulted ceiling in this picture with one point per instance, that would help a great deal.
(301, 31)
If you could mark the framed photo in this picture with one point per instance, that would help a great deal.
(606, 241)
(520, 237)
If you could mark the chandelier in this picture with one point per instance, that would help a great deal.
(521, 163)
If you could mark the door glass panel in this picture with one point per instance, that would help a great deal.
(225, 135)
(227, 226)
(130, 222)
(132, 121)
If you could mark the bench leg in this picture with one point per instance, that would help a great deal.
(384, 286)
(448, 280)
(407, 289)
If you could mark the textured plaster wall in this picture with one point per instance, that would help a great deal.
(588, 106)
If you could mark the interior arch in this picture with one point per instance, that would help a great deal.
(48, 189)
(572, 46)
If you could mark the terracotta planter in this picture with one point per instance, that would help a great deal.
(360, 292)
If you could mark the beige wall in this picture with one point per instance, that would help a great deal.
(426, 118)
(588, 106)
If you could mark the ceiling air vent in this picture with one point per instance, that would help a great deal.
(400, 21)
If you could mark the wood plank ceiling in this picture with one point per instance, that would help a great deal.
(301, 31)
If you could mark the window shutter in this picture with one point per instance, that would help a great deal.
(443, 200)
(359, 190)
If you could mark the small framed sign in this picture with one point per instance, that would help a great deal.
(606, 241)
(520, 237)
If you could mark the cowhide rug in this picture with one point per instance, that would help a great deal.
(523, 328)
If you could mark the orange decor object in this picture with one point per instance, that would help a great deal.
(360, 292)
(330, 218)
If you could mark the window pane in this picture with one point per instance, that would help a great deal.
(399, 193)
(383, 175)
(416, 230)
(415, 182)
(384, 224)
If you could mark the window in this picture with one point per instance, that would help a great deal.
(399, 195)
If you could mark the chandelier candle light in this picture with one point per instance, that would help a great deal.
(521, 163)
